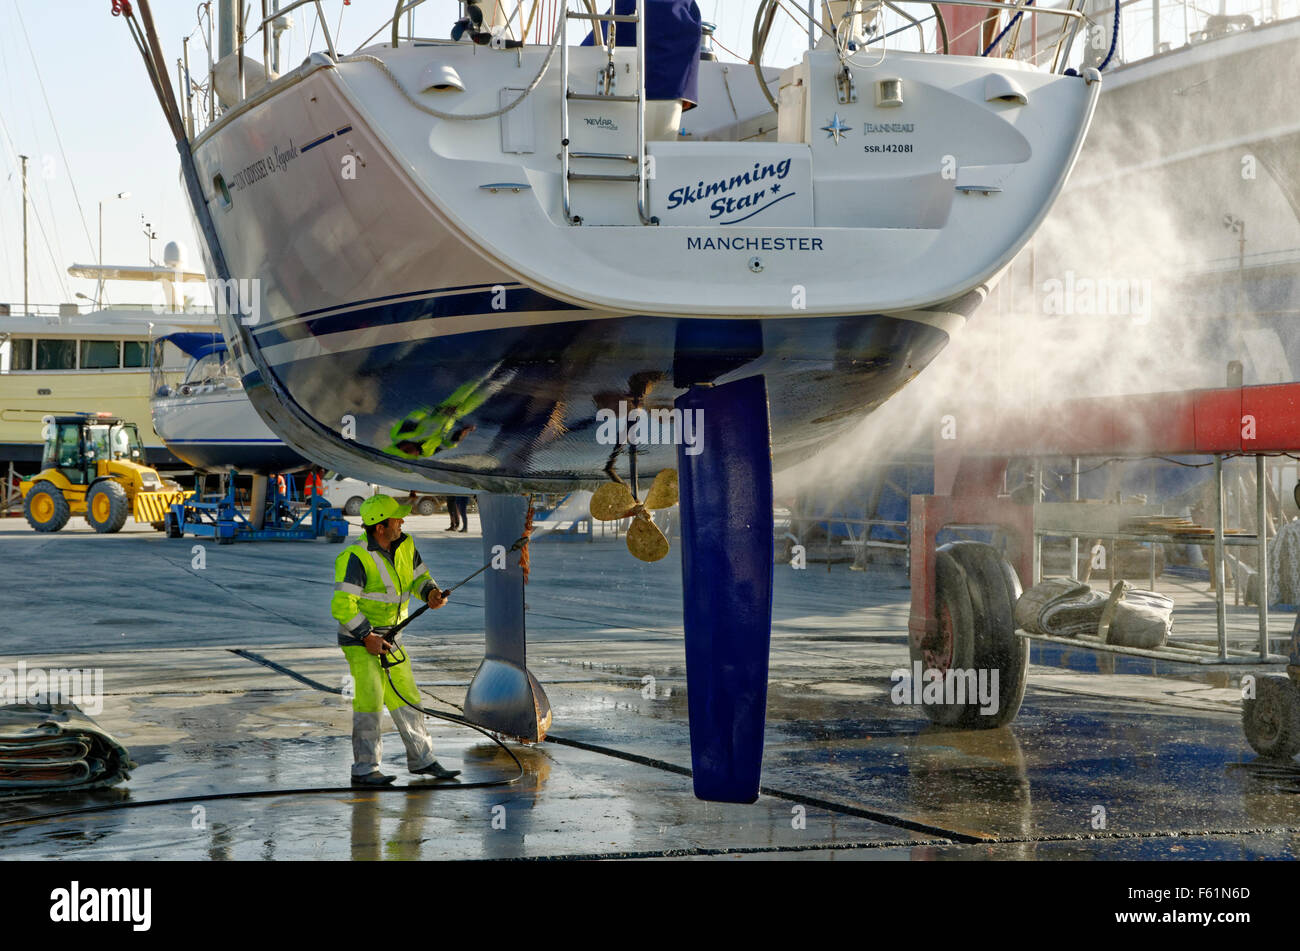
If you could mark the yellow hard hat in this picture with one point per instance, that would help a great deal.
(379, 508)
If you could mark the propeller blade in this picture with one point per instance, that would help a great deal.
(611, 501)
(645, 541)
(663, 493)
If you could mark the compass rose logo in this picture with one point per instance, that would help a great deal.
(836, 129)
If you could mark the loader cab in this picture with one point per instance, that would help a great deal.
(117, 441)
(65, 451)
(75, 444)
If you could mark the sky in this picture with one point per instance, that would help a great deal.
(75, 99)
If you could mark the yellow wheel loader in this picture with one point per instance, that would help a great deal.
(93, 466)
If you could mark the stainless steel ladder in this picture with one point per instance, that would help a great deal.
(604, 93)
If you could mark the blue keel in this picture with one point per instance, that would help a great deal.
(504, 695)
(726, 528)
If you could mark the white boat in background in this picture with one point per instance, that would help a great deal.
(65, 360)
(1197, 142)
(203, 415)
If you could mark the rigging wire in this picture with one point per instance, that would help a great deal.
(67, 166)
(34, 211)
(338, 29)
(311, 39)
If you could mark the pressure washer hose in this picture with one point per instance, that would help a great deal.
(453, 718)
(521, 543)
(308, 790)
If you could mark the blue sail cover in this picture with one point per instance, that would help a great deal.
(196, 345)
(672, 55)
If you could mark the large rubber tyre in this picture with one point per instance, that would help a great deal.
(353, 506)
(107, 507)
(426, 506)
(953, 643)
(975, 598)
(1271, 720)
(45, 507)
(994, 589)
(172, 526)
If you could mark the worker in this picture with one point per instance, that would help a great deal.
(372, 580)
(313, 485)
(453, 510)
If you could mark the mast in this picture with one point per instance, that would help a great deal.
(225, 28)
(26, 305)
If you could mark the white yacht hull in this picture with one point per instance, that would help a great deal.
(393, 288)
(216, 429)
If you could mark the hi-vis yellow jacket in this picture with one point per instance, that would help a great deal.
(371, 587)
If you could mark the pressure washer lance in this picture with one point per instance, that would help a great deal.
(389, 634)
(395, 656)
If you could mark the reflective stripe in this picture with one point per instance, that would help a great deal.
(382, 597)
(383, 572)
(348, 588)
(356, 622)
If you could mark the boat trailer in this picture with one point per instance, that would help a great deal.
(963, 594)
(271, 516)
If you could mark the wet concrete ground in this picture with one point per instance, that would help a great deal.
(1105, 760)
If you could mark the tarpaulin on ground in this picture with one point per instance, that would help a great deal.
(56, 747)
(1128, 616)
(1060, 607)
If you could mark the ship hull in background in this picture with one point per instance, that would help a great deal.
(1187, 147)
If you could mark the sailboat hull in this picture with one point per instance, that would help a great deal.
(392, 323)
(529, 399)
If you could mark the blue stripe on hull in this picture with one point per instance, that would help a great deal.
(467, 303)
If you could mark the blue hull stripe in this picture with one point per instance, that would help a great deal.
(337, 308)
(468, 304)
(321, 141)
(226, 442)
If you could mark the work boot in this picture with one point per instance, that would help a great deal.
(436, 771)
(374, 779)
